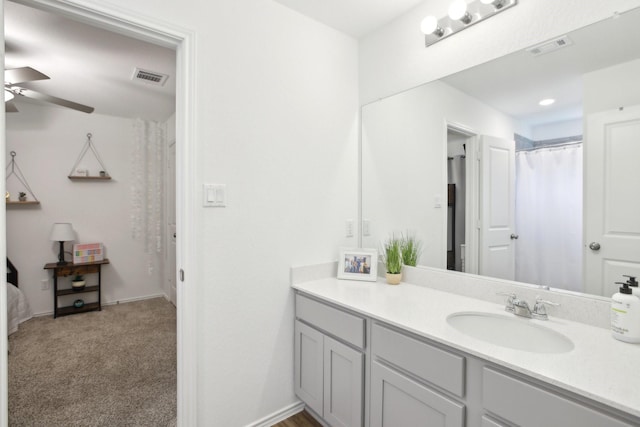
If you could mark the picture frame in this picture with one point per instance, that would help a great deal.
(358, 264)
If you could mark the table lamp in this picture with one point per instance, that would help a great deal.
(62, 232)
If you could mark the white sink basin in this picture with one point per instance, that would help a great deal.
(510, 331)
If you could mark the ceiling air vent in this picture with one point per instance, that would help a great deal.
(550, 46)
(150, 77)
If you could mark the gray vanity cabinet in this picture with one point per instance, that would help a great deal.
(524, 404)
(329, 362)
(413, 381)
(410, 380)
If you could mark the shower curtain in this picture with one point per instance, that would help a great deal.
(549, 217)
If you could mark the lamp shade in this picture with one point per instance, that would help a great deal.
(62, 232)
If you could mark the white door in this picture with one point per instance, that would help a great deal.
(612, 199)
(171, 222)
(497, 208)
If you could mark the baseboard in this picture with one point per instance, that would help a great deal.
(278, 416)
(126, 300)
(122, 301)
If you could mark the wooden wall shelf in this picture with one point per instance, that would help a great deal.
(89, 178)
(18, 203)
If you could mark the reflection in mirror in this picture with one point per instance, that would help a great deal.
(534, 188)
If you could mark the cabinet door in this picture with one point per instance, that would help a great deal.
(397, 401)
(343, 384)
(309, 366)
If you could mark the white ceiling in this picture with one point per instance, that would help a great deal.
(354, 17)
(88, 65)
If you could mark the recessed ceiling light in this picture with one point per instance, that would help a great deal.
(546, 102)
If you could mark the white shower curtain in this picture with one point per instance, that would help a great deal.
(147, 186)
(549, 217)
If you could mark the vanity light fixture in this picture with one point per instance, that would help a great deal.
(461, 15)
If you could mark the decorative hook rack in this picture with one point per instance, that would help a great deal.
(14, 170)
(103, 174)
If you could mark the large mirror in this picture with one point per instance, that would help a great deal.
(495, 184)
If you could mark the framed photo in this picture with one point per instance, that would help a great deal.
(358, 264)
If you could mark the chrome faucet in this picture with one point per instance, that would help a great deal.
(539, 309)
(521, 308)
(511, 298)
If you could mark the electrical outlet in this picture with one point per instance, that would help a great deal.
(366, 227)
(44, 285)
(349, 228)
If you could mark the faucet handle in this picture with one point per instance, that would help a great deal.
(540, 310)
(512, 298)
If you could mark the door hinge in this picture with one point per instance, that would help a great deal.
(181, 275)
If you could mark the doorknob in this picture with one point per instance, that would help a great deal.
(594, 246)
(174, 235)
(514, 237)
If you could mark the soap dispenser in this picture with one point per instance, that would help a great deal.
(633, 284)
(625, 315)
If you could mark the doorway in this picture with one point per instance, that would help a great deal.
(456, 195)
(182, 42)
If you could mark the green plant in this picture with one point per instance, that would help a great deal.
(393, 255)
(78, 278)
(411, 250)
(22, 194)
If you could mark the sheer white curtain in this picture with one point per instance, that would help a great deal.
(549, 217)
(147, 187)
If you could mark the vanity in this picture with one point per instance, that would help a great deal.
(372, 354)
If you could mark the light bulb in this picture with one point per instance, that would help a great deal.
(457, 9)
(8, 96)
(429, 24)
(546, 102)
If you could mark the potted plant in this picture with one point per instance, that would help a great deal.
(22, 196)
(411, 250)
(393, 260)
(77, 283)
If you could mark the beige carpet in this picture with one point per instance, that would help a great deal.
(116, 367)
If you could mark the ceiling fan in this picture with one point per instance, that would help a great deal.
(16, 76)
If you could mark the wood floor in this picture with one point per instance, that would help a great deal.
(301, 419)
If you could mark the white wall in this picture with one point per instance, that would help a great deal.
(404, 166)
(394, 58)
(48, 141)
(562, 129)
(612, 87)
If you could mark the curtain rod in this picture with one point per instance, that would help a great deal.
(551, 146)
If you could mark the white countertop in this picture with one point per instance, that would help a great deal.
(599, 367)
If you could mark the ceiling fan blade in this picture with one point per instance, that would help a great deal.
(24, 74)
(10, 107)
(54, 100)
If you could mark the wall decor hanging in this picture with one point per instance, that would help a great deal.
(79, 173)
(21, 197)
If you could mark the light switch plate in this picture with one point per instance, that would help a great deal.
(214, 195)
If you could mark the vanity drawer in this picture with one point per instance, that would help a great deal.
(434, 365)
(527, 405)
(336, 322)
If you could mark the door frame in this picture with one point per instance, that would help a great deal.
(472, 193)
(183, 42)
